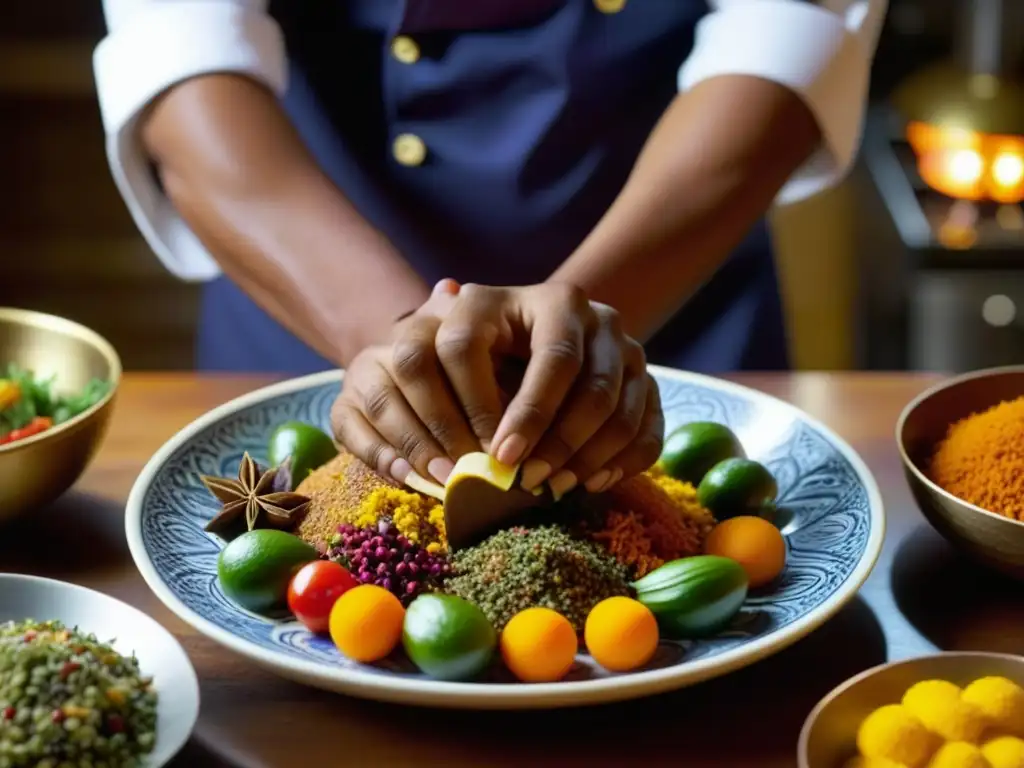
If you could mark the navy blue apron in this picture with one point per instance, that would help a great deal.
(523, 119)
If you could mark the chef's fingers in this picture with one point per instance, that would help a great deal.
(590, 464)
(645, 449)
(465, 341)
(374, 392)
(557, 319)
(352, 430)
(417, 371)
(591, 401)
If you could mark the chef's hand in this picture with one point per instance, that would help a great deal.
(586, 410)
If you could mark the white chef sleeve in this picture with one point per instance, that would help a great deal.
(152, 45)
(821, 51)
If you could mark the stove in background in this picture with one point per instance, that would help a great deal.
(943, 279)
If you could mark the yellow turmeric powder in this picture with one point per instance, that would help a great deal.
(417, 517)
(981, 459)
(345, 490)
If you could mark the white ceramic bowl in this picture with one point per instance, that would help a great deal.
(129, 630)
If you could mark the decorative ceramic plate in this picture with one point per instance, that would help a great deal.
(833, 522)
(129, 631)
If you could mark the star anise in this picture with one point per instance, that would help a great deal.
(255, 497)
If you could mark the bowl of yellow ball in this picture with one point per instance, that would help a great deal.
(948, 710)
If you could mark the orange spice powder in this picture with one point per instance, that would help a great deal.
(651, 519)
(981, 459)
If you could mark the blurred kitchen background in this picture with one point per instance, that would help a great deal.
(916, 262)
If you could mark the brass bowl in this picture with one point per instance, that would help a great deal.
(829, 735)
(987, 537)
(38, 469)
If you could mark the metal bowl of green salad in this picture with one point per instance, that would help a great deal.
(86, 680)
(58, 382)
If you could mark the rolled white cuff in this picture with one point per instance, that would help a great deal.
(805, 48)
(159, 46)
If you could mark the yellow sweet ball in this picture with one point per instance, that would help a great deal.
(932, 689)
(1001, 700)
(940, 706)
(958, 754)
(1004, 752)
(872, 762)
(893, 733)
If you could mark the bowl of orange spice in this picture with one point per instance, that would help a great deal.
(962, 447)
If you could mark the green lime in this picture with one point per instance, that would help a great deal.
(307, 446)
(254, 569)
(447, 637)
(693, 449)
(737, 487)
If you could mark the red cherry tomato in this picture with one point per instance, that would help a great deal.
(313, 591)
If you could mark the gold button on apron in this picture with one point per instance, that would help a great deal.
(610, 6)
(409, 149)
(405, 49)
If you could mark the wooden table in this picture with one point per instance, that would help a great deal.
(920, 596)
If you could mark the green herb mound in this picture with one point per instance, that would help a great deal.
(519, 568)
(39, 399)
(67, 699)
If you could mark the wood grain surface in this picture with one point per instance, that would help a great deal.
(920, 596)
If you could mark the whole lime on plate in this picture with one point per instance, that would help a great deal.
(694, 448)
(738, 487)
(694, 596)
(448, 637)
(256, 568)
(306, 446)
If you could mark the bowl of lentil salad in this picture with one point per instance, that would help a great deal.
(66, 378)
(87, 679)
(960, 446)
(830, 501)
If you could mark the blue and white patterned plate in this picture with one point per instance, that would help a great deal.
(834, 526)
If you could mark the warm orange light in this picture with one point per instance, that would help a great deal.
(1008, 170)
(969, 165)
(965, 166)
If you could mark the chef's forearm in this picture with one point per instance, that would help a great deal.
(243, 180)
(708, 172)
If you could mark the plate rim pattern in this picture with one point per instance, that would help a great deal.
(416, 690)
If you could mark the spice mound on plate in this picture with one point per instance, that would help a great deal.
(67, 699)
(345, 491)
(379, 554)
(649, 520)
(521, 568)
(981, 459)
